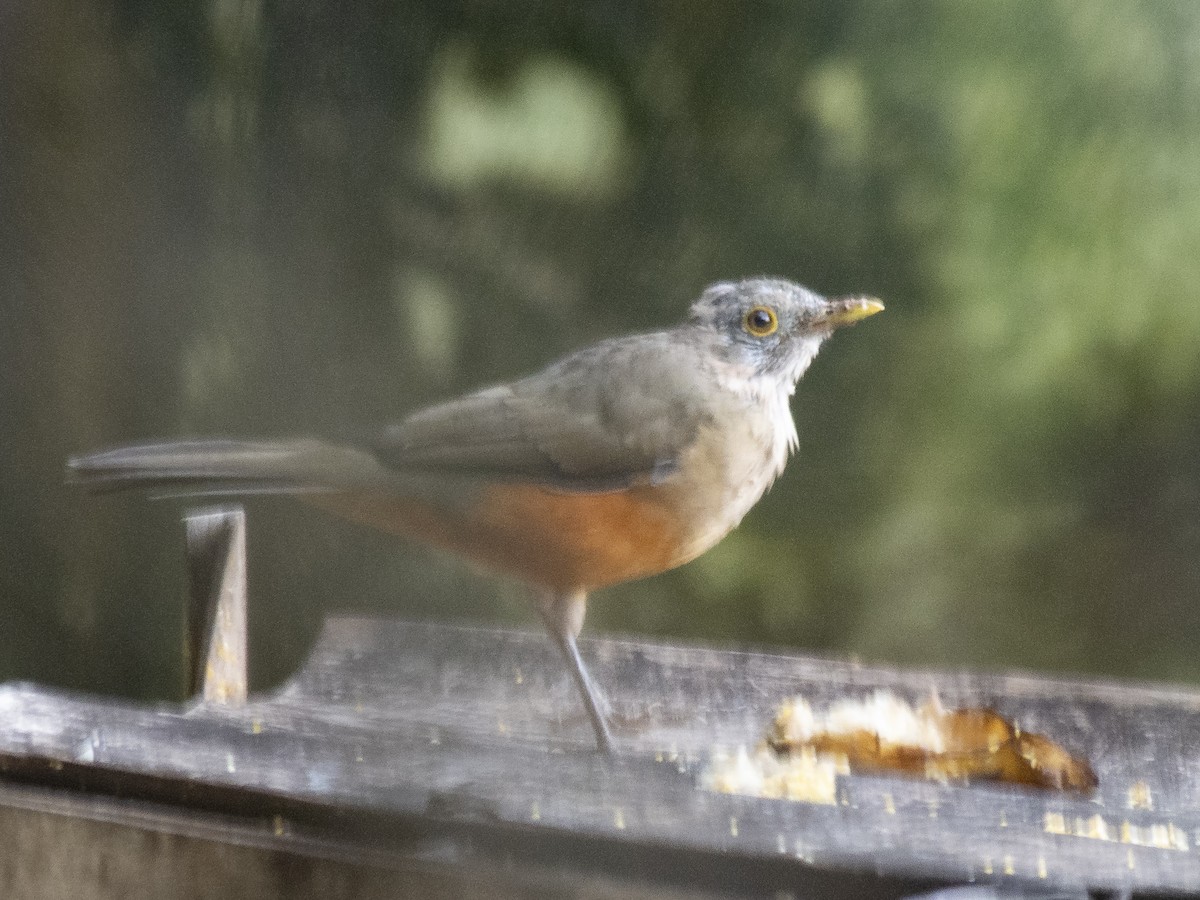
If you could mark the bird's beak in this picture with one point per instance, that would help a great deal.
(848, 310)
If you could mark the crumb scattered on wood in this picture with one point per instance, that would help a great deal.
(884, 734)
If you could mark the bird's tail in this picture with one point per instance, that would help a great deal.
(224, 467)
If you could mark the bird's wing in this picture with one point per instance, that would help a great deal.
(611, 416)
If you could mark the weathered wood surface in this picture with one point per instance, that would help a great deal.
(215, 644)
(465, 730)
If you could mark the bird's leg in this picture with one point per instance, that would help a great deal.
(563, 615)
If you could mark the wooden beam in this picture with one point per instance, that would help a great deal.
(475, 735)
(215, 643)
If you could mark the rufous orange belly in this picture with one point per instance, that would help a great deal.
(554, 539)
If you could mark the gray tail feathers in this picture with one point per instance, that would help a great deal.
(223, 467)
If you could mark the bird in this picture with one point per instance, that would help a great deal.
(623, 459)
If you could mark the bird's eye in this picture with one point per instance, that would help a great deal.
(760, 321)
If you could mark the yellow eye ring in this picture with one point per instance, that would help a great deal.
(760, 321)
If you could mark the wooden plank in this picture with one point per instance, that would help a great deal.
(477, 731)
(216, 610)
(61, 843)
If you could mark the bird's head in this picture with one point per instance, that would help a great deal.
(775, 327)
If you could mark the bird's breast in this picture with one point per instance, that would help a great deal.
(732, 462)
(560, 540)
(568, 540)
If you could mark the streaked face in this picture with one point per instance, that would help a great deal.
(774, 326)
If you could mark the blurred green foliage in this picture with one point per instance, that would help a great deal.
(256, 218)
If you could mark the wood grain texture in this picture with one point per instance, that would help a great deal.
(459, 728)
(215, 640)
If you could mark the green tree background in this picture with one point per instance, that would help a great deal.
(255, 218)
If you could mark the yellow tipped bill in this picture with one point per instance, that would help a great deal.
(848, 310)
